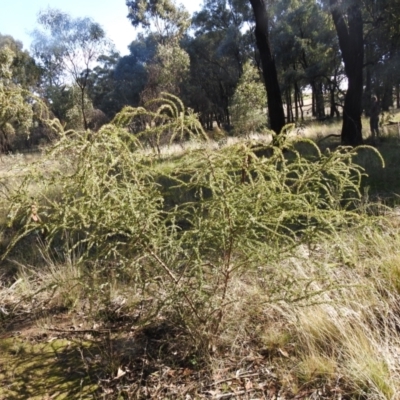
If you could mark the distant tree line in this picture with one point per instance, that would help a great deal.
(338, 52)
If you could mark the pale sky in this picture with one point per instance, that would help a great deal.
(18, 17)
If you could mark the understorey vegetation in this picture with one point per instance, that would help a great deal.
(252, 269)
(213, 213)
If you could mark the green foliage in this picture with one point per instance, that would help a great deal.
(166, 71)
(68, 48)
(74, 116)
(104, 87)
(170, 63)
(118, 81)
(6, 58)
(248, 102)
(60, 99)
(169, 121)
(170, 20)
(217, 52)
(15, 112)
(25, 72)
(180, 235)
(222, 15)
(173, 63)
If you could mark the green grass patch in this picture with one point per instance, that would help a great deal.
(54, 369)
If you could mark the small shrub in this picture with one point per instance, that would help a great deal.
(244, 213)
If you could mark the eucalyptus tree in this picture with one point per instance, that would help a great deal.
(275, 105)
(213, 78)
(131, 72)
(168, 20)
(307, 54)
(118, 81)
(248, 102)
(348, 20)
(24, 69)
(167, 23)
(218, 51)
(382, 51)
(102, 84)
(15, 111)
(68, 49)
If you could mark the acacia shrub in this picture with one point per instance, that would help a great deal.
(244, 214)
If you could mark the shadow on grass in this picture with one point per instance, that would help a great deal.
(79, 368)
(382, 183)
(56, 369)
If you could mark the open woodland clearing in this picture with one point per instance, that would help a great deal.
(215, 215)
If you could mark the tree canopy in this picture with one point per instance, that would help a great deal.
(340, 51)
(68, 49)
(15, 110)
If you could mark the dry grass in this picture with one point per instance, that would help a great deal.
(345, 340)
(353, 334)
(341, 343)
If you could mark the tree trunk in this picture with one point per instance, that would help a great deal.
(397, 96)
(301, 104)
(368, 79)
(5, 146)
(387, 99)
(332, 86)
(319, 101)
(85, 123)
(349, 28)
(313, 100)
(288, 106)
(296, 100)
(275, 106)
(228, 117)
